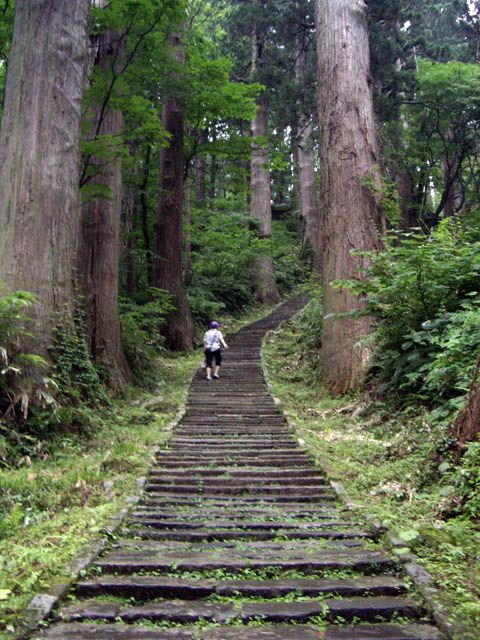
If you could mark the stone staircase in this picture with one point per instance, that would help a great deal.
(239, 535)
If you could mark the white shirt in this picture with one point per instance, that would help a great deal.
(212, 339)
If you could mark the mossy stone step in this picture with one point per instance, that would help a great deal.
(139, 632)
(150, 587)
(384, 632)
(193, 611)
(247, 524)
(134, 562)
(242, 534)
(239, 473)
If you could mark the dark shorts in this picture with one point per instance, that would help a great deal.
(213, 355)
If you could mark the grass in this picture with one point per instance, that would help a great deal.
(387, 467)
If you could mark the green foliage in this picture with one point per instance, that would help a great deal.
(141, 324)
(424, 292)
(21, 373)
(290, 266)
(73, 370)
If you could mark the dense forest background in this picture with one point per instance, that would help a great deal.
(163, 163)
(140, 208)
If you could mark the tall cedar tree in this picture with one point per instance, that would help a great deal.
(349, 179)
(99, 246)
(309, 210)
(39, 151)
(260, 199)
(167, 261)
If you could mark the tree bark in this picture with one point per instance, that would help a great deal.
(39, 151)
(144, 213)
(212, 187)
(305, 161)
(167, 260)
(187, 208)
(201, 173)
(265, 287)
(130, 247)
(99, 246)
(349, 184)
(467, 425)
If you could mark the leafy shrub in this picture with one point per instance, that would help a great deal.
(292, 262)
(461, 484)
(423, 290)
(18, 368)
(141, 328)
(222, 253)
(73, 370)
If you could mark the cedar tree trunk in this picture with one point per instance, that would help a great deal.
(348, 160)
(306, 166)
(39, 157)
(467, 426)
(260, 199)
(201, 173)
(99, 247)
(167, 260)
(130, 246)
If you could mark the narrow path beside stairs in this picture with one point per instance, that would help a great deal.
(239, 535)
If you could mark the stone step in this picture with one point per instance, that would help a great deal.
(231, 516)
(176, 462)
(252, 525)
(250, 453)
(236, 441)
(151, 587)
(226, 489)
(307, 498)
(139, 632)
(226, 479)
(242, 534)
(232, 502)
(137, 561)
(239, 473)
(384, 632)
(251, 546)
(232, 509)
(193, 611)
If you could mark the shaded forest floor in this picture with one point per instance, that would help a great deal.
(387, 469)
(53, 504)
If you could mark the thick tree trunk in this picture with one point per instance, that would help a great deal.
(39, 151)
(305, 161)
(99, 246)
(260, 199)
(467, 426)
(348, 160)
(167, 260)
(212, 187)
(201, 173)
(144, 213)
(188, 217)
(130, 246)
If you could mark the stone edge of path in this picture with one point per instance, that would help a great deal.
(420, 577)
(42, 604)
